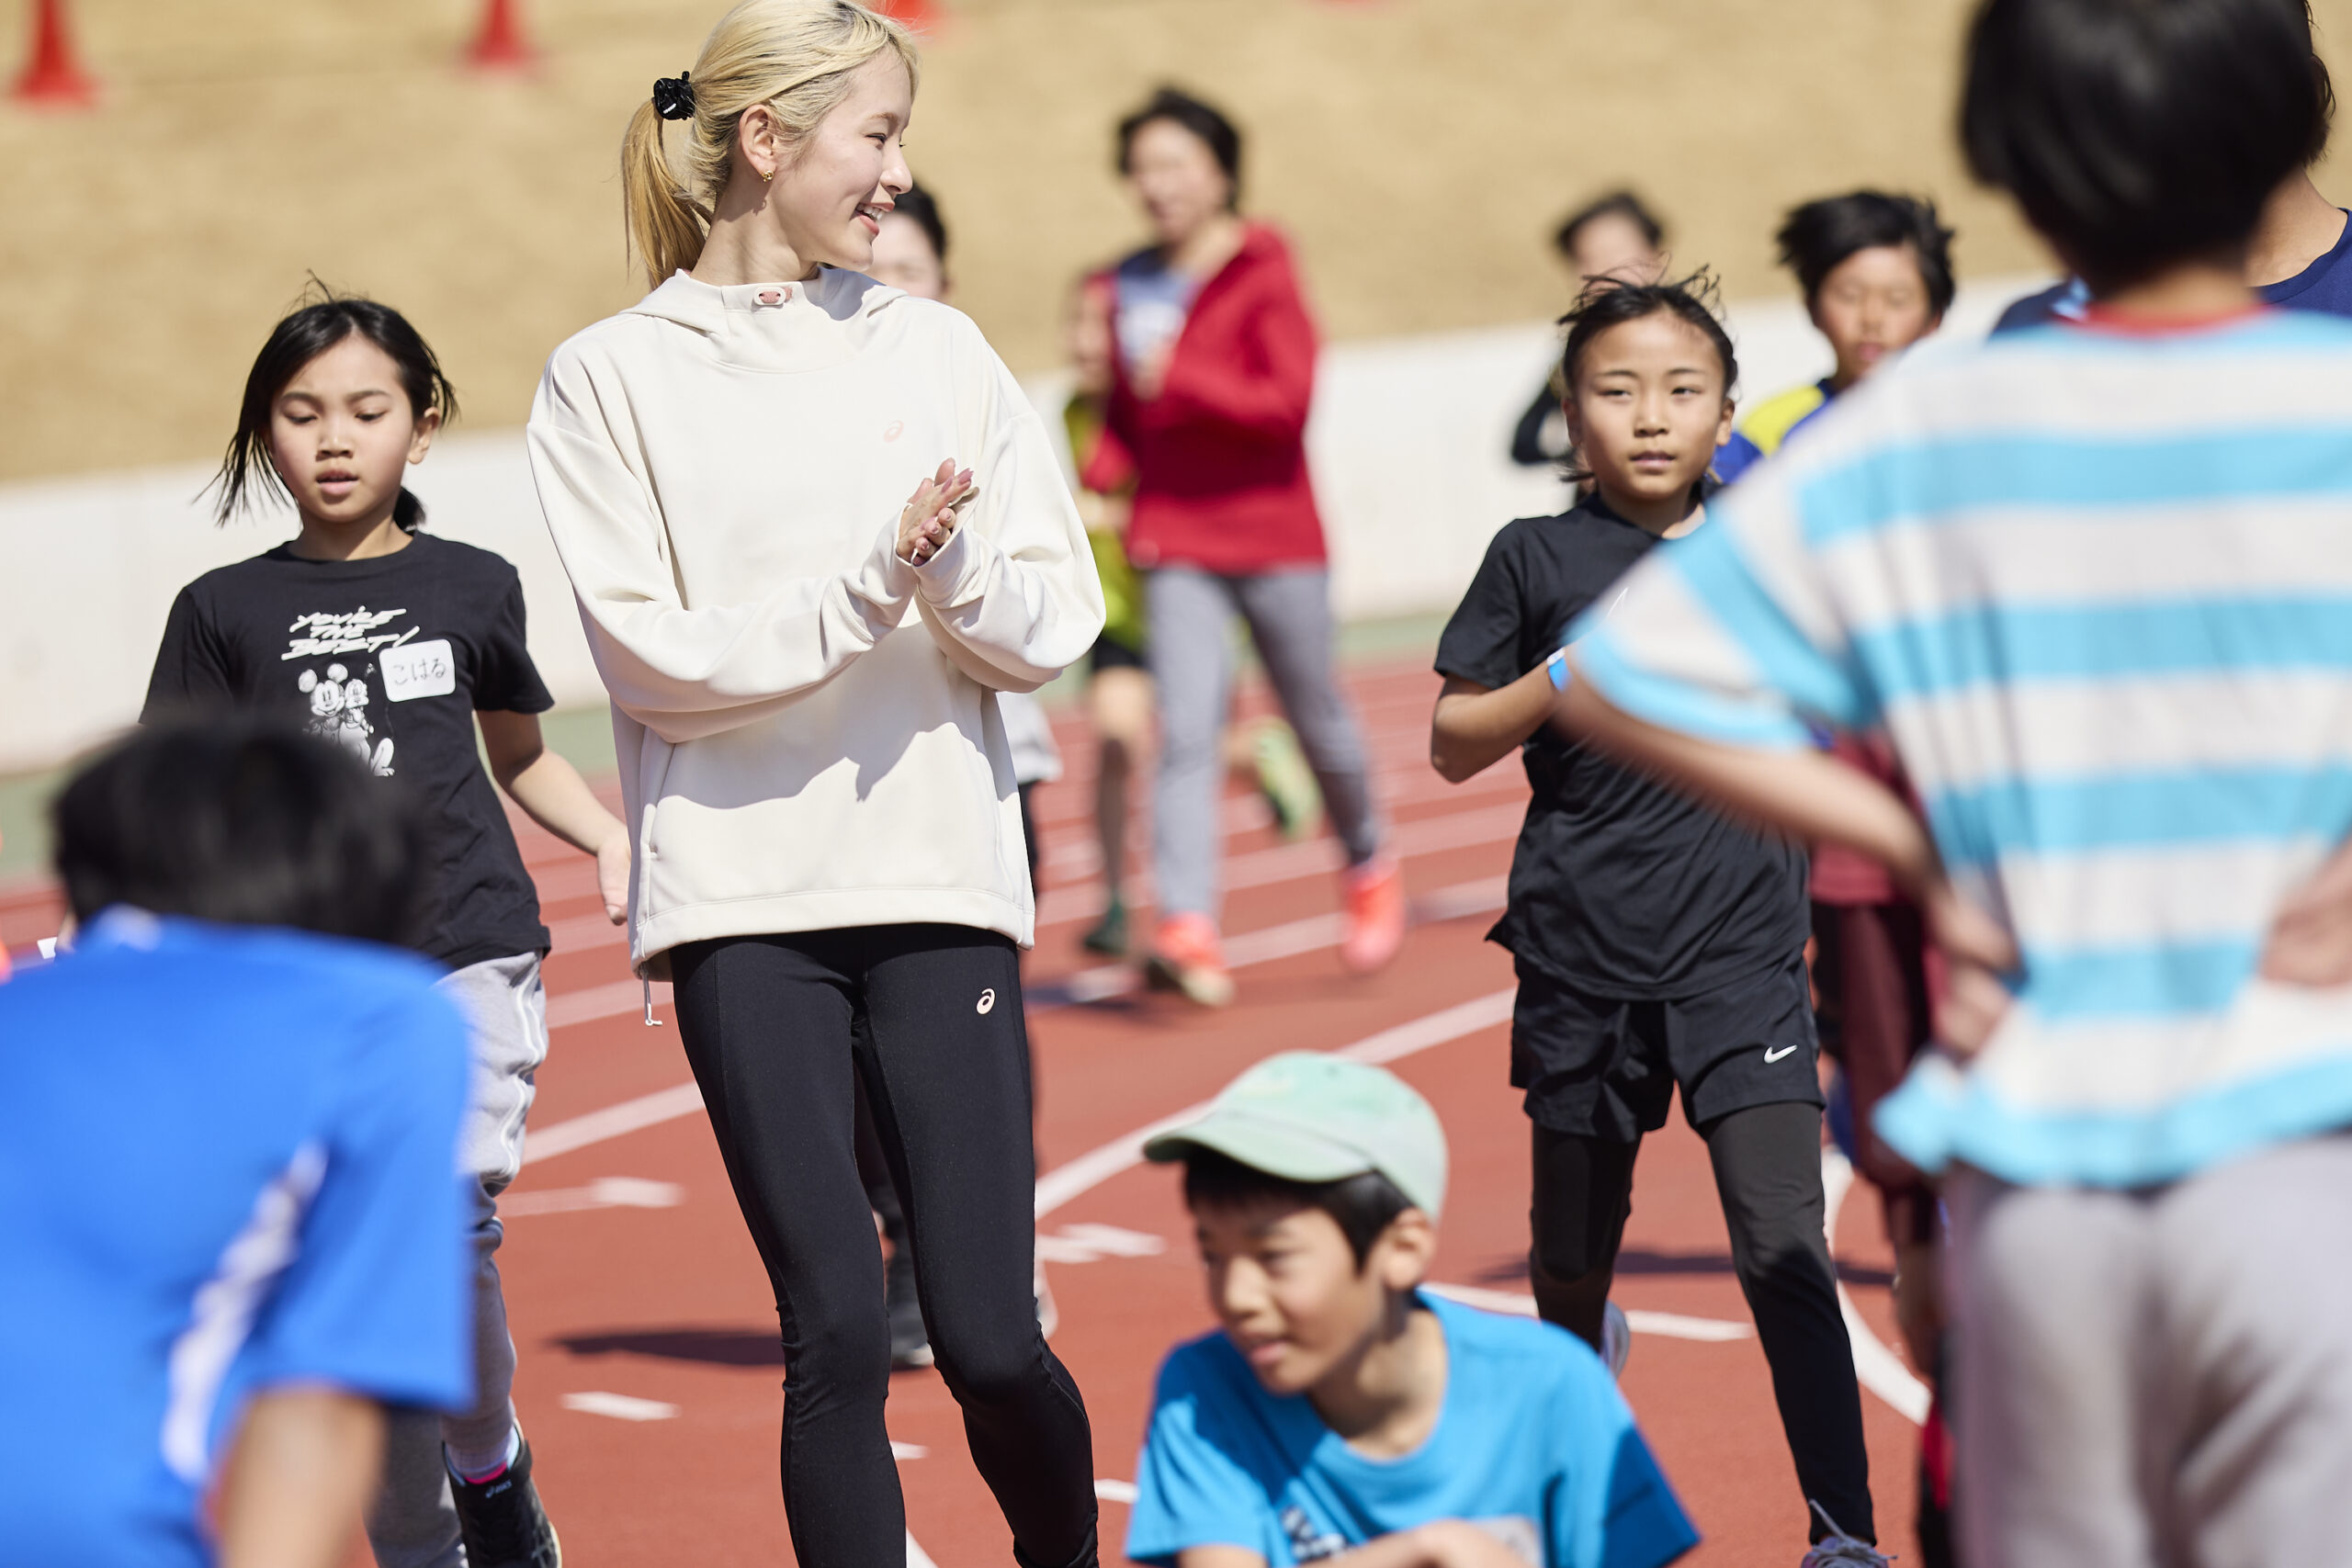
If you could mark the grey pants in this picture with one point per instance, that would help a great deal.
(413, 1522)
(2159, 1378)
(1289, 615)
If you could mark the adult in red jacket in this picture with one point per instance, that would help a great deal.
(1214, 369)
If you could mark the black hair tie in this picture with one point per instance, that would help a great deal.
(673, 97)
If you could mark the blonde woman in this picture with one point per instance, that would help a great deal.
(803, 658)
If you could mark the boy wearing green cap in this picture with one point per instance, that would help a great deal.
(1343, 1416)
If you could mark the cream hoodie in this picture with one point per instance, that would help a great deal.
(806, 724)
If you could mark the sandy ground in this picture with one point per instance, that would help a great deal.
(1419, 150)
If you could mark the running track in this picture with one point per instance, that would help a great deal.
(650, 1371)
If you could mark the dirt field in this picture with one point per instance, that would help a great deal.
(1419, 149)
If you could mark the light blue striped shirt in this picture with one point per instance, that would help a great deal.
(2098, 587)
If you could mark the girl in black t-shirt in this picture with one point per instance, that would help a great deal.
(1656, 941)
(397, 645)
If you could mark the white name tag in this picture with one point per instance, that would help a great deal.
(418, 669)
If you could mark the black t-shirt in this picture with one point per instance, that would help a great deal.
(390, 657)
(1619, 886)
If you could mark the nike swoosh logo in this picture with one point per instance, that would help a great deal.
(1775, 1056)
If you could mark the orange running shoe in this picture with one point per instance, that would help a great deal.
(1186, 957)
(1376, 893)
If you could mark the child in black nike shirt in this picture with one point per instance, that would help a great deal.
(396, 645)
(1656, 942)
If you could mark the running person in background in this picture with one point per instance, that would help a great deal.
(398, 647)
(1614, 237)
(1263, 753)
(2122, 695)
(1876, 271)
(1211, 373)
(228, 1199)
(1656, 941)
(804, 606)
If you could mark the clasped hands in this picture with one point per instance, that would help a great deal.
(930, 519)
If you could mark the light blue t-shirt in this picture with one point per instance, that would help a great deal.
(1534, 1443)
(2096, 582)
(228, 1160)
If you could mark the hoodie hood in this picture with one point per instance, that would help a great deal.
(798, 325)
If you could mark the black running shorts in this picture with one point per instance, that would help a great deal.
(1603, 1067)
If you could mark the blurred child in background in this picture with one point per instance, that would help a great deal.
(2092, 581)
(398, 646)
(1343, 1413)
(1657, 941)
(1615, 237)
(1876, 272)
(229, 1203)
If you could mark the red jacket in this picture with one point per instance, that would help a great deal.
(1219, 458)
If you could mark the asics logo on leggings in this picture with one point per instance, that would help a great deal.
(987, 1000)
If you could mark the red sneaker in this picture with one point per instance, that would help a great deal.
(1375, 896)
(1187, 958)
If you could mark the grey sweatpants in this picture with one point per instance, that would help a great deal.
(2157, 1378)
(1289, 615)
(413, 1522)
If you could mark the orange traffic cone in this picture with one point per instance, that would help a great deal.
(51, 77)
(501, 46)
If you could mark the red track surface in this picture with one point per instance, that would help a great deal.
(669, 1304)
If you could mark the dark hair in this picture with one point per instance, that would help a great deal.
(1362, 1206)
(294, 342)
(919, 205)
(244, 821)
(1818, 237)
(1616, 204)
(1181, 107)
(2138, 133)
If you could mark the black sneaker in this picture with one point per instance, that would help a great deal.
(501, 1521)
(910, 1341)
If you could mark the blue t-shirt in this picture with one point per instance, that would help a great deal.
(1154, 299)
(1534, 1443)
(228, 1160)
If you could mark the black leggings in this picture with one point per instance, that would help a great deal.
(1767, 1172)
(778, 1028)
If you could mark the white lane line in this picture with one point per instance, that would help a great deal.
(605, 1192)
(1881, 1369)
(1664, 1324)
(916, 1556)
(628, 1116)
(1090, 1170)
(907, 1451)
(1111, 1491)
(619, 1406)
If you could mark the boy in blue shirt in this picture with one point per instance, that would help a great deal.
(228, 1206)
(1341, 1415)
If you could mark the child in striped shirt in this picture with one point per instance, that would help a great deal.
(2095, 580)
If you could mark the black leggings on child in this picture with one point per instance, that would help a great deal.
(1768, 1171)
(777, 1029)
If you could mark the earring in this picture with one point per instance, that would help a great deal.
(767, 177)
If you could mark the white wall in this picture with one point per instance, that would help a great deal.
(1409, 441)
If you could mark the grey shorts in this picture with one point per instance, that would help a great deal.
(506, 1014)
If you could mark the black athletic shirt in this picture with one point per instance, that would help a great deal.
(390, 657)
(1619, 886)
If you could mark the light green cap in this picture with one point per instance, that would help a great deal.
(1308, 1117)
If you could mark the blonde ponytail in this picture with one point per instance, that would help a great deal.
(796, 56)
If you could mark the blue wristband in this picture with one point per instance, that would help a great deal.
(1556, 667)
